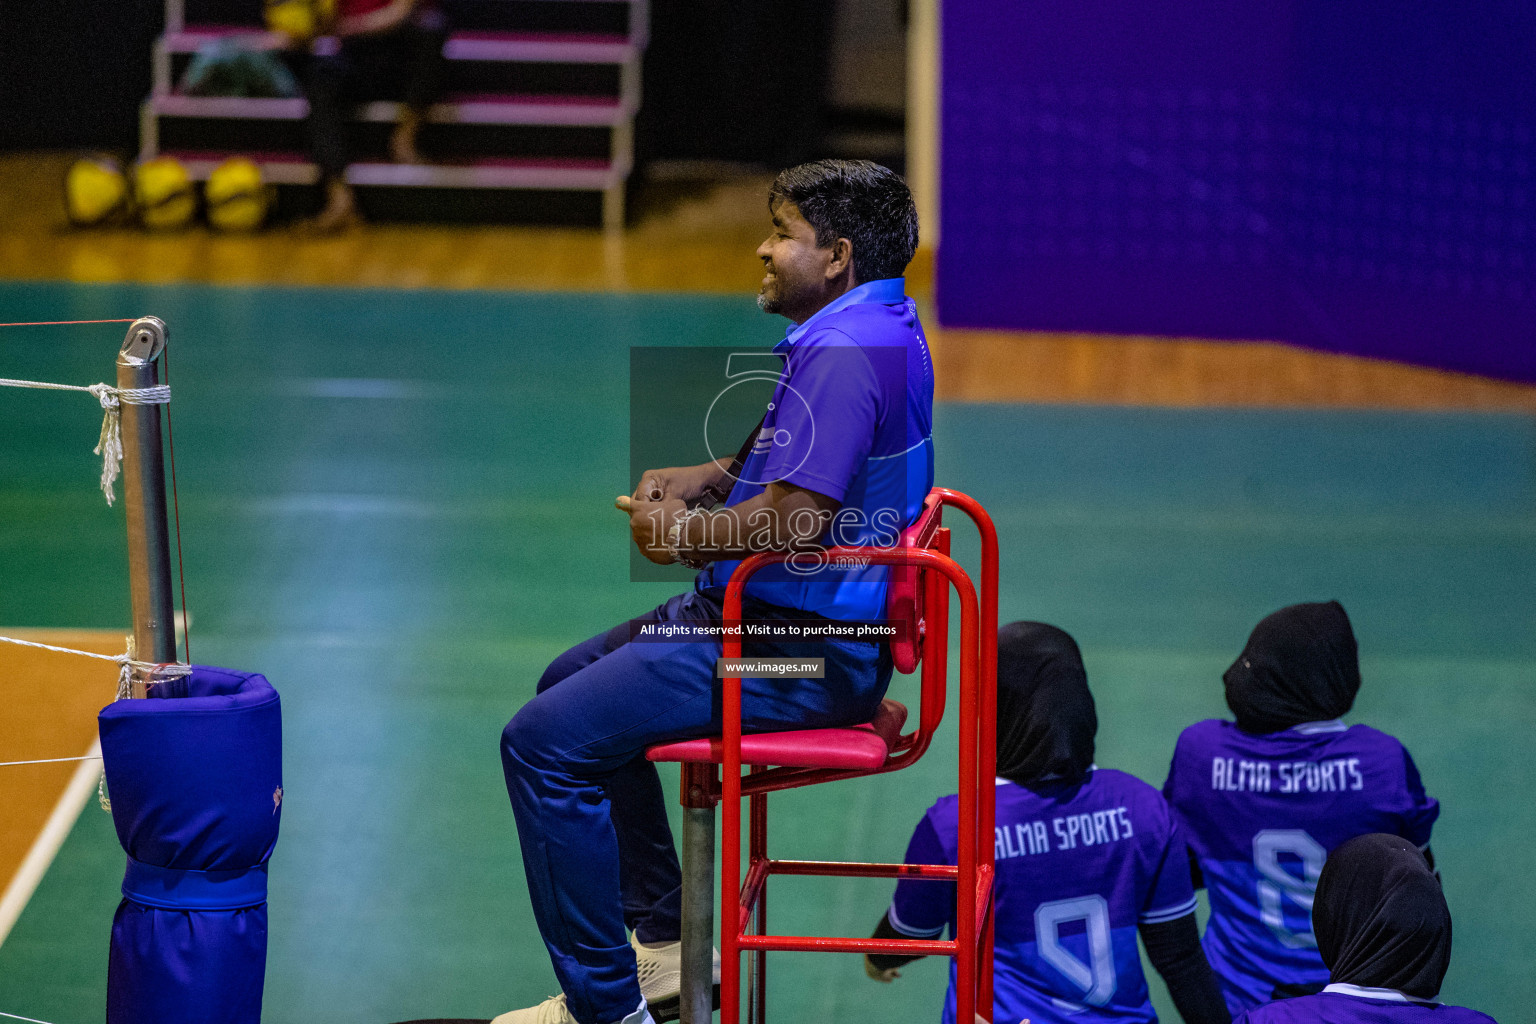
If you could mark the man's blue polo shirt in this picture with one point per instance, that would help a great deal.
(851, 418)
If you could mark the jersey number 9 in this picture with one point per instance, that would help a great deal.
(1096, 977)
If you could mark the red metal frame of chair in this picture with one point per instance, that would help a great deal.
(742, 904)
(987, 533)
(907, 749)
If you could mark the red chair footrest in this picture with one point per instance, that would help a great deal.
(820, 944)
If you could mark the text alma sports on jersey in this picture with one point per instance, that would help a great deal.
(1071, 831)
(1334, 775)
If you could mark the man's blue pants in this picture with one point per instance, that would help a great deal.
(591, 818)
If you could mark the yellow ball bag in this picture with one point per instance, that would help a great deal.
(95, 191)
(163, 190)
(300, 19)
(236, 197)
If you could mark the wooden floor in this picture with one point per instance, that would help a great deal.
(699, 236)
(51, 701)
(997, 366)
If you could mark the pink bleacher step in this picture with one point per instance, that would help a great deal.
(533, 47)
(460, 108)
(552, 47)
(555, 173)
(863, 746)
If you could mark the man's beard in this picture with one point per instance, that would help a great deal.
(767, 303)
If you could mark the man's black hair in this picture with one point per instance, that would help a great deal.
(858, 200)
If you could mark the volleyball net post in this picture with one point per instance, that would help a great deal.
(149, 540)
(194, 771)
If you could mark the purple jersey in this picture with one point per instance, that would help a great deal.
(1078, 867)
(1346, 1004)
(1261, 813)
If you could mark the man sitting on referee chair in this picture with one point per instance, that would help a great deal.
(845, 443)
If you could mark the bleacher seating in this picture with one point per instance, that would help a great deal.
(541, 97)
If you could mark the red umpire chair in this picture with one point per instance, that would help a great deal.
(918, 607)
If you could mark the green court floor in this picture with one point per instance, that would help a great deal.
(396, 505)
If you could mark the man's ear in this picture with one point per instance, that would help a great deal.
(842, 258)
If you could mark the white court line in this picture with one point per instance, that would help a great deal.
(33, 1020)
(46, 845)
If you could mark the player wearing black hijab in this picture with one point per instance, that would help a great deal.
(1086, 858)
(1385, 933)
(1301, 664)
(1262, 801)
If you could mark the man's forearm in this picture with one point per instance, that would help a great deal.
(778, 519)
(676, 528)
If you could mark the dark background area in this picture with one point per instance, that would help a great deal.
(747, 87)
(752, 86)
(73, 72)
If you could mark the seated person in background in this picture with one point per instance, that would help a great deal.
(1086, 858)
(1385, 933)
(1263, 801)
(376, 49)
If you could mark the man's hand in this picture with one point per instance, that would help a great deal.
(782, 518)
(883, 975)
(688, 484)
(649, 522)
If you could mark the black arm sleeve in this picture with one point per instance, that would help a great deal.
(1174, 949)
(885, 961)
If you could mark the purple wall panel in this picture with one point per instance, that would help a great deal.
(1348, 176)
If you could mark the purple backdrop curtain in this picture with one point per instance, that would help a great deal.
(1350, 176)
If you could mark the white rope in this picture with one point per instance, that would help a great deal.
(126, 667)
(110, 445)
(52, 760)
(126, 663)
(60, 650)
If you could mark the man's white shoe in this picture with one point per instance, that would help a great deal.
(551, 1011)
(554, 1011)
(660, 967)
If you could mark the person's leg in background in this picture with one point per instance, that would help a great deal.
(327, 78)
(406, 64)
(421, 41)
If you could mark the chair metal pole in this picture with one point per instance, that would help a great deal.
(757, 852)
(696, 1000)
(149, 541)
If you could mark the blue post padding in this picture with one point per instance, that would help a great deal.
(195, 890)
(203, 966)
(195, 777)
